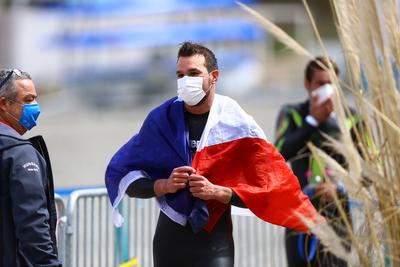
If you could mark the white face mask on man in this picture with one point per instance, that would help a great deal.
(190, 90)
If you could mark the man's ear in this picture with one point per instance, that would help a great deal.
(3, 104)
(215, 75)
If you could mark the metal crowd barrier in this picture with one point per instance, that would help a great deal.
(60, 206)
(257, 243)
(87, 237)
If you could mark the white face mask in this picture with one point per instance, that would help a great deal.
(190, 90)
(323, 92)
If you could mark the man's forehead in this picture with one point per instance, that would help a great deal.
(25, 87)
(321, 75)
(195, 61)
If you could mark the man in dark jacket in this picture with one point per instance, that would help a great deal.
(28, 217)
(297, 125)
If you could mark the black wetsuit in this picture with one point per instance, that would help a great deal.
(178, 246)
(293, 132)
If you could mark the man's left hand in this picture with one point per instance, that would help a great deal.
(202, 188)
(326, 191)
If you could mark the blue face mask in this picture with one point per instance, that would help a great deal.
(30, 113)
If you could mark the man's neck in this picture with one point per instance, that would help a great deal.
(18, 129)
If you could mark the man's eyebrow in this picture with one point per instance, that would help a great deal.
(30, 95)
(194, 69)
(189, 70)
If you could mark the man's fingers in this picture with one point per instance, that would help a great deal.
(195, 183)
(196, 177)
(179, 180)
(182, 175)
(187, 169)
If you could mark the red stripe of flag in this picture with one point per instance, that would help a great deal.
(259, 175)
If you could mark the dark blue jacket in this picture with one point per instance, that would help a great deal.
(27, 210)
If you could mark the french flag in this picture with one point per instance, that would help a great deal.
(232, 152)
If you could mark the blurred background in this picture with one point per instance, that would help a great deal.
(101, 65)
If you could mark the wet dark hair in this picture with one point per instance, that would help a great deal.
(189, 49)
(313, 65)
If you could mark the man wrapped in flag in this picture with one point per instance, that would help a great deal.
(198, 154)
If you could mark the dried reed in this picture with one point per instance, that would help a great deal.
(369, 32)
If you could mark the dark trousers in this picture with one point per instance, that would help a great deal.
(177, 246)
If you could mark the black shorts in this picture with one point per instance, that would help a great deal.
(178, 246)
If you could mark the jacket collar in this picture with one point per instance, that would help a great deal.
(5, 129)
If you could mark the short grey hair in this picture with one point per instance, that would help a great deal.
(8, 89)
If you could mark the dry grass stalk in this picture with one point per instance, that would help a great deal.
(277, 32)
(329, 238)
(369, 32)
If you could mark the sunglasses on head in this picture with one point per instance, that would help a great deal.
(16, 71)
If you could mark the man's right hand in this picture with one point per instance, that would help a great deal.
(178, 179)
(321, 111)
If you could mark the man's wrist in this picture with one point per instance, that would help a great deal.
(160, 187)
(311, 121)
(224, 194)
